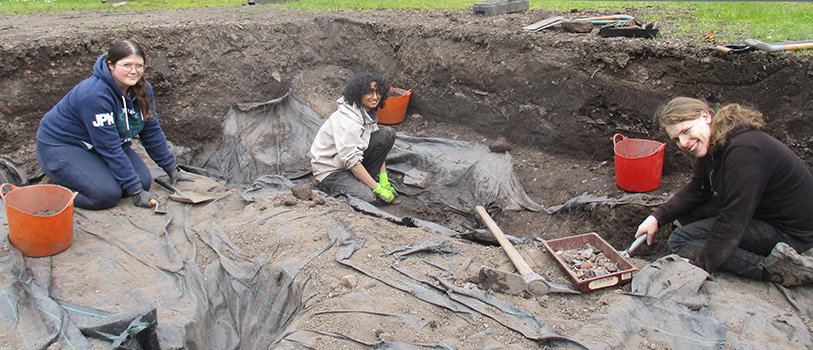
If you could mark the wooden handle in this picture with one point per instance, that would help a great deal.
(610, 18)
(166, 185)
(513, 254)
(723, 49)
(799, 46)
(154, 202)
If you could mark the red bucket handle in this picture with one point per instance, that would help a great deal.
(616, 136)
(661, 147)
(2, 193)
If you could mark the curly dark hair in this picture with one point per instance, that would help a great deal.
(360, 85)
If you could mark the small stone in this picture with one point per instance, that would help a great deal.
(289, 201)
(348, 281)
(568, 256)
(54, 346)
(302, 192)
(600, 271)
(586, 265)
(318, 199)
(384, 335)
(500, 146)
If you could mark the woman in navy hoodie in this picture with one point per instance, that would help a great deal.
(83, 143)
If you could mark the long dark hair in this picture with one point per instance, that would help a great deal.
(681, 109)
(360, 85)
(122, 48)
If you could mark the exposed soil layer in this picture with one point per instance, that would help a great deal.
(558, 98)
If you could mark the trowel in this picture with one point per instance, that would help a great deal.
(179, 196)
(157, 207)
(638, 241)
(511, 283)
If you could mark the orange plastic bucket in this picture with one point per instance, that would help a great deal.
(40, 218)
(395, 108)
(638, 163)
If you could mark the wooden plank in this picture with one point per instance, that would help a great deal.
(545, 23)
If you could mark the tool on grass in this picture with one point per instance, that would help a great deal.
(552, 21)
(179, 196)
(635, 244)
(511, 283)
(780, 46)
(753, 44)
(156, 207)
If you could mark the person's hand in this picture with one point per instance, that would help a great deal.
(384, 181)
(384, 193)
(142, 198)
(175, 175)
(650, 227)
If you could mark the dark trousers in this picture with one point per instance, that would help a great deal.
(345, 183)
(747, 260)
(87, 173)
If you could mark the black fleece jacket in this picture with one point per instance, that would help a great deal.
(757, 177)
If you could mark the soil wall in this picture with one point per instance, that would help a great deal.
(561, 92)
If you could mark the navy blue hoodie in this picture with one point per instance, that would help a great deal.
(96, 115)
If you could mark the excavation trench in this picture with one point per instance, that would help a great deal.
(557, 98)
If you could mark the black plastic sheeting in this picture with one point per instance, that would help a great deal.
(133, 279)
(130, 281)
(274, 138)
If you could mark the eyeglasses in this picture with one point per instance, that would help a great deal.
(130, 66)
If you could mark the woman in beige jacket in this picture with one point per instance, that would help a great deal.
(349, 152)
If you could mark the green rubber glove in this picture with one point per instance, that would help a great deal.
(384, 181)
(384, 193)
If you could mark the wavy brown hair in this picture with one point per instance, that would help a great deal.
(681, 109)
(122, 48)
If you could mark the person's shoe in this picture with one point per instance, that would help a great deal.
(785, 263)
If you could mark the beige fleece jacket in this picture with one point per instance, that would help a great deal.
(341, 141)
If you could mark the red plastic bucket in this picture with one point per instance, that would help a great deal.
(638, 163)
(40, 218)
(395, 108)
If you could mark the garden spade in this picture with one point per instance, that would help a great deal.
(179, 196)
(510, 283)
(780, 46)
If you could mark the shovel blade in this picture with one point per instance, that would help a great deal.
(515, 284)
(501, 281)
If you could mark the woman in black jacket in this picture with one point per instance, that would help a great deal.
(747, 209)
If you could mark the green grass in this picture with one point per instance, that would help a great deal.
(730, 21)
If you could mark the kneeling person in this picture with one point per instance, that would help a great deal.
(349, 152)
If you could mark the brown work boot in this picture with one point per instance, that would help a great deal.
(786, 264)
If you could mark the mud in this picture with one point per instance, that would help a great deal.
(557, 98)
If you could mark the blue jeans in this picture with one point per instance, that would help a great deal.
(345, 183)
(747, 260)
(84, 171)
